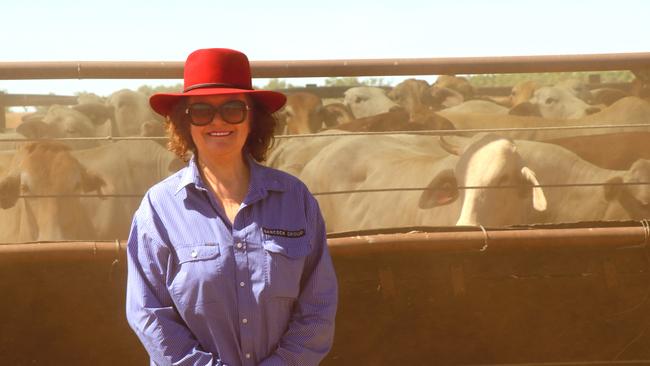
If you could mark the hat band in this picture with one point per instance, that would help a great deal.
(212, 85)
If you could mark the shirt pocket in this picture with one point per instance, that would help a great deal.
(285, 261)
(197, 274)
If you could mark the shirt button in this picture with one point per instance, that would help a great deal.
(248, 355)
(242, 284)
(245, 321)
(239, 245)
(194, 254)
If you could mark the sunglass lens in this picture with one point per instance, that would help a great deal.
(201, 113)
(233, 112)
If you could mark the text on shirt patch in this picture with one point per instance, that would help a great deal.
(285, 233)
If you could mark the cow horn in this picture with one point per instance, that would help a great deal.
(449, 147)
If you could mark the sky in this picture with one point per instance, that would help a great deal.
(131, 30)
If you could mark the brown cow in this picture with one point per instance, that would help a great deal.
(46, 169)
(303, 113)
(616, 151)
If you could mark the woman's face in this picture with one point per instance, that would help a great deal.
(219, 139)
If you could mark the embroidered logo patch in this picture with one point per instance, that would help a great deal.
(284, 233)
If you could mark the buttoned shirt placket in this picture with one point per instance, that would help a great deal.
(243, 278)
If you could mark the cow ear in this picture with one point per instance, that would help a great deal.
(9, 190)
(97, 113)
(35, 129)
(612, 188)
(539, 199)
(442, 190)
(592, 110)
(525, 109)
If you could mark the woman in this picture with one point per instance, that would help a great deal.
(228, 262)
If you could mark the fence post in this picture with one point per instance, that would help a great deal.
(3, 110)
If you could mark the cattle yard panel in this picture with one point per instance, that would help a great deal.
(466, 296)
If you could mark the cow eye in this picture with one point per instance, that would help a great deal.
(358, 100)
(550, 100)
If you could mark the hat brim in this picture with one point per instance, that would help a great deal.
(162, 103)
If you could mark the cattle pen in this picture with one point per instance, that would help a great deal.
(548, 293)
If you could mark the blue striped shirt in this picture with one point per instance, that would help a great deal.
(204, 291)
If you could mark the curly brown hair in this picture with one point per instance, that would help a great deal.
(258, 143)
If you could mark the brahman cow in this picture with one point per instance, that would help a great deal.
(630, 110)
(555, 103)
(400, 163)
(81, 120)
(568, 183)
(131, 109)
(616, 151)
(51, 169)
(366, 101)
(46, 169)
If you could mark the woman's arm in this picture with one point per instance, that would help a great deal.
(310, 334)
(149, 307)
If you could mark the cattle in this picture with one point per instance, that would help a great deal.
(415, 97)
(576, 87)
(617, 151)
(397, 120)
(292, 154)
(46, 169)
(337, 113)
(629, 110)
(411, 161)
(477, 106)
(366, 101)
(303, 113)
(522, 92)
(130, 109)
(54, 170)
(575, 197)
(555, 165)
(81, 120)
(555, 103)
(456, 83)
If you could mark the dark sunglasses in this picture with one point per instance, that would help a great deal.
(232, 112)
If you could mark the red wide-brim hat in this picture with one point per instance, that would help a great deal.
(216, 71)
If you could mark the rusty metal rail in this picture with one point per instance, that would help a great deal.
(323, 68)
(461, 240)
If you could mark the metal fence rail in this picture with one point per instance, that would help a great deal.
(323, 68)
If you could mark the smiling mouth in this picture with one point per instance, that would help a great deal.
(219, 133)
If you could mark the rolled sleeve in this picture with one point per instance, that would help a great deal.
(149, 308)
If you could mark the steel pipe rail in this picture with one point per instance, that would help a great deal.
(364, 245)
(491, 240)
(323, 68)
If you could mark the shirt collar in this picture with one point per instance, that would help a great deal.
(263, 179)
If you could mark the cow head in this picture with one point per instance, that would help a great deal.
(303, 113)
(365, 101)
(131, 109)
(61, 121)
(498, 184)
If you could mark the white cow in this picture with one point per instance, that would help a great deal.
(131, 110)
(554, 165)
(410, 161)
(365, 101)
(559, 103)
